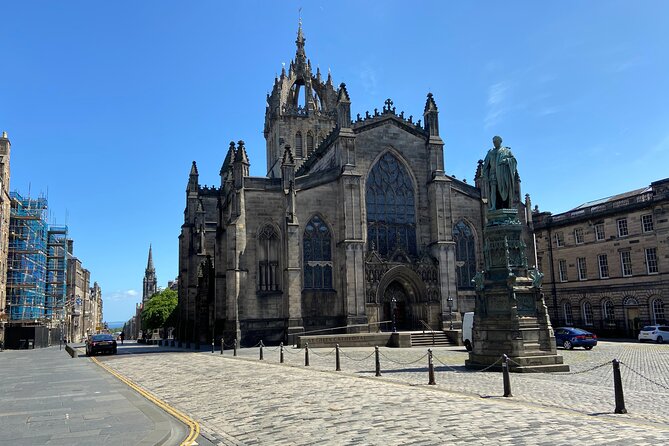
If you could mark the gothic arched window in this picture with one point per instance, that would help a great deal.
(310, 143)
(317, 254)
(268, 259)
(391, 214)
(465, 254)
(298, 145)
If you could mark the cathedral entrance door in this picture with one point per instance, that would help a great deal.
(395, 299)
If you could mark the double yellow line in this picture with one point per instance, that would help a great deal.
(188, 421)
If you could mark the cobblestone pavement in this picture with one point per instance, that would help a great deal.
(244, 401)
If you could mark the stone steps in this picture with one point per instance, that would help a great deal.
(426, 339)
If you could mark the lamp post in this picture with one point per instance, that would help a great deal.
(449, 302)
(393, 310)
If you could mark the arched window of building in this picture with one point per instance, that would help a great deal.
(298, 145)
(657, 311)
(465, 254)
(317, 254)
(391, 214)
(568, 317)
(268, 259)
(310, 143)
(608, 313)
(587, 313)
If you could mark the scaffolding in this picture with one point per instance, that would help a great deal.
(56, 273)
(26, 260)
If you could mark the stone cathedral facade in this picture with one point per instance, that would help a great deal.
(355, 219)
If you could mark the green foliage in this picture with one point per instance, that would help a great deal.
(160, 310)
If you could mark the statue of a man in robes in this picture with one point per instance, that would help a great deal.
(499, 171)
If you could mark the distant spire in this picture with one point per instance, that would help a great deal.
(149, 265)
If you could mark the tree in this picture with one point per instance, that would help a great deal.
(160, 310)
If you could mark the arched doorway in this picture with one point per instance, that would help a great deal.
(402, 290)
(632, 320)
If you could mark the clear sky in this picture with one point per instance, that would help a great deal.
(108, 103)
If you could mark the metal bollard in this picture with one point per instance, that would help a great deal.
(281, 353)
(430, 368)
(212, 346)
(306, 354)
(234, 351)
(337, 364)
(222, 345)
(377, 361)
(505, 375)
(618, 388)
(261, 346)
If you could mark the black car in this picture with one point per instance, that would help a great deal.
(100, 343)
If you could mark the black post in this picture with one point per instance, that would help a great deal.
(222, 344)
(234, 351)
(261, 346)
(306, 354)
(212, 345)
(430, 368)
(618, 388)
(378, 362)
(337, 367)
(505, 373)
(281, 353)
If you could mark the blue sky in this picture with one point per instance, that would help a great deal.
(108, 103)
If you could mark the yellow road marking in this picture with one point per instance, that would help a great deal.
(194, 427)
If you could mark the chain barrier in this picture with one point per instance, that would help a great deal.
(290, 350)
(403, 363)
(578, 372)
(343, 353)
(271, 349)
(645, 377)
(312, 351)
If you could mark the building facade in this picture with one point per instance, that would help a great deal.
(605, 262)
(356, 223)
(5, 212)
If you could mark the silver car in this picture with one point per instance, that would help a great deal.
(656, 333)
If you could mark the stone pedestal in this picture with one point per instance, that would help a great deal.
(510, 316)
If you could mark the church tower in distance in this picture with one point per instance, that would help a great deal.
(300, 111)
(150, 280)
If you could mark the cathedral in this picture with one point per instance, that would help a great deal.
(355, 224)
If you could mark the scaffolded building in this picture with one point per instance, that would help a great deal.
(56, 273)
(27, 259)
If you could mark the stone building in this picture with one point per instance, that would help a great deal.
(605, 262)
(354, 222)
(5, 211)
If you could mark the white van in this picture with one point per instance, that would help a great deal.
(467, 330)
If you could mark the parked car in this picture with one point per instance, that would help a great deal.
(657, 333)
(570, 337)
(100, 343)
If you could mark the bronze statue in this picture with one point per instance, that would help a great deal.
(499, 171)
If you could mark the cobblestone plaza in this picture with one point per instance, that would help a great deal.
(242, 400)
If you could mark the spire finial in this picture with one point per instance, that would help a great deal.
(300, 55)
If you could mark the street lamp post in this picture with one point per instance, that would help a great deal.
(449, 302)
(393, 310)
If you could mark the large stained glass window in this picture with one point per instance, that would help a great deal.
(391, 214)
(317, 254)
(465, 254)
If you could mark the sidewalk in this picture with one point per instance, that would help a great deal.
(48, 398)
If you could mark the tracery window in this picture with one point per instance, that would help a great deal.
(317, 255)
(465, 254)
(391, 214)
(298, 145)
(268, 259)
